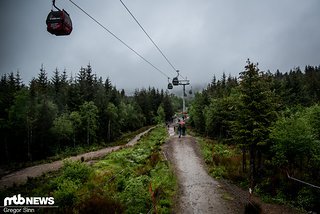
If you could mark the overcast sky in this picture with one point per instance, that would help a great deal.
(201, 38)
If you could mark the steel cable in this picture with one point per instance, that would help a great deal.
(120, 40)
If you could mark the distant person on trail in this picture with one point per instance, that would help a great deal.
(183, 129)
(179, 128)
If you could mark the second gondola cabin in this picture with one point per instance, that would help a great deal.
(59, 23)
(175, 81)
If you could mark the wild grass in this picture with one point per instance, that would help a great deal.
(223, 161)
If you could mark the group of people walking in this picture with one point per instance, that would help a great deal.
(179, 126)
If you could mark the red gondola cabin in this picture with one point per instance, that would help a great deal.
(59, 23)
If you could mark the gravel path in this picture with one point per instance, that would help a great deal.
(198, 192)
(21, 176)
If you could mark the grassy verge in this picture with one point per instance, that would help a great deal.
(132, 180)
(223, 161)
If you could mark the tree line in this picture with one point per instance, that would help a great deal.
(47, 116)
(274, 118)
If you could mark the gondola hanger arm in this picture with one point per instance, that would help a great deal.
(54, 5)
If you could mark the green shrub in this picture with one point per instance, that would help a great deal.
(138, 155)
(76, 171)
(222, 151)
(219, 172)
(305, 198)
(136, 196)
(65, 195)
(206, 150)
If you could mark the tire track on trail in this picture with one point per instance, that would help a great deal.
(21, 176)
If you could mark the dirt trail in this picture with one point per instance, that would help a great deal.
(21, 176)
(198, 192)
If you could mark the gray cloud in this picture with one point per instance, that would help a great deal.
(201, 38)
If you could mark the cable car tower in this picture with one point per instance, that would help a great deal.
(183, 82)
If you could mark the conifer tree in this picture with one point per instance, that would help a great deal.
(255, 116)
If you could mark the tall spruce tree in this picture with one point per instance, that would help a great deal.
(255, 116)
